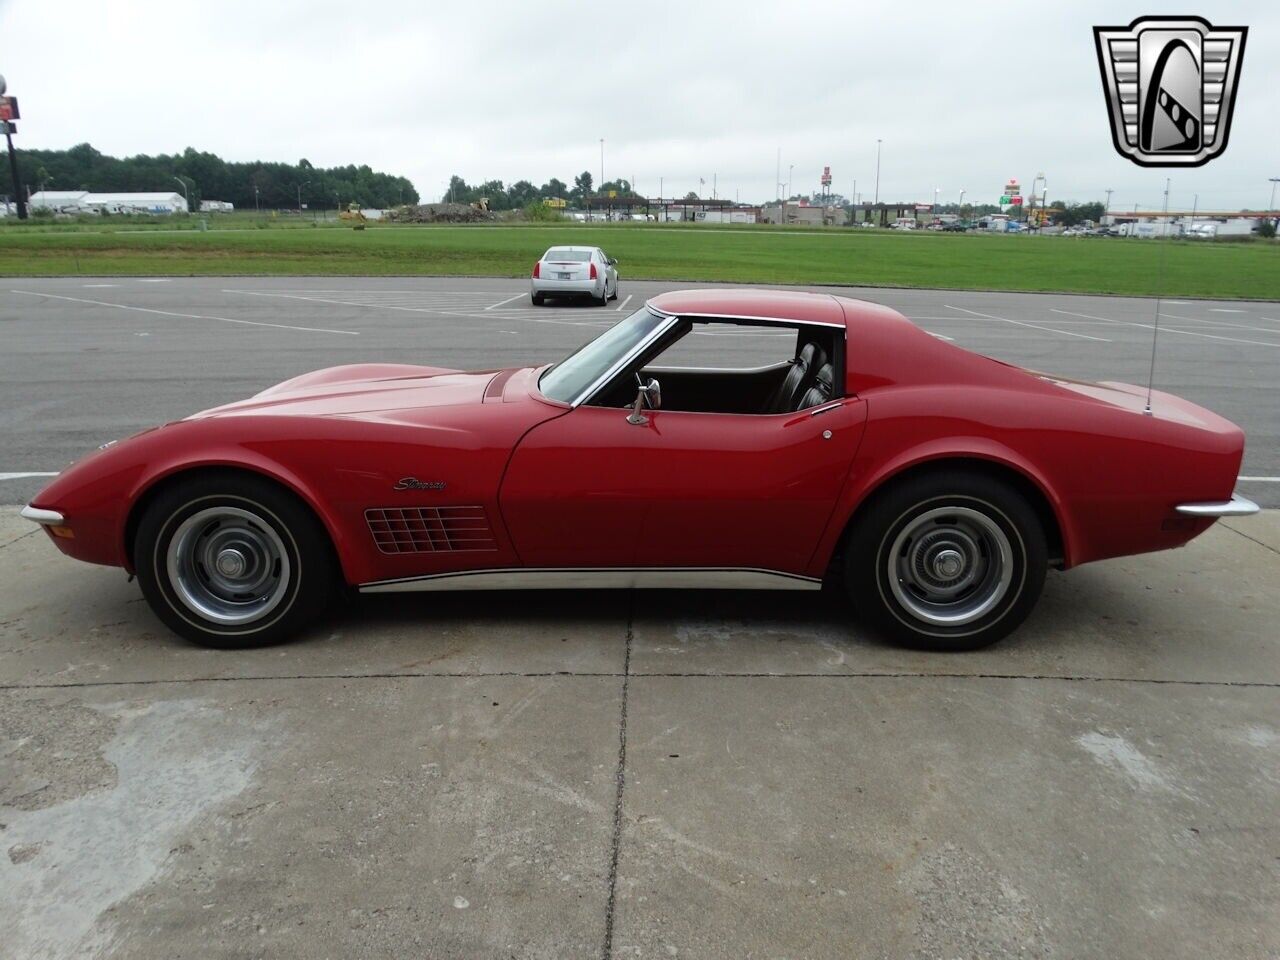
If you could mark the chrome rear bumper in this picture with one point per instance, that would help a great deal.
(48, 518)
(1237, 506)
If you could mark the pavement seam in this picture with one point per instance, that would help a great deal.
(1265, 546)
(620, 778)
(29, 533)
(628, 675)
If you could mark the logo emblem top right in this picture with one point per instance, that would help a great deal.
(1170, 84)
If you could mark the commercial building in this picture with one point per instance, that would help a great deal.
(82, 201)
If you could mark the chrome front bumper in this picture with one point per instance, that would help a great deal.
(47, 518)
(1237, 506)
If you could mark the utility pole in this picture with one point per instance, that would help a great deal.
(300, 186)
(1107, 207)
(257, 207)
(1270, 209)
(186, 199)
(877, 173)
(777, 179)
(601, 187)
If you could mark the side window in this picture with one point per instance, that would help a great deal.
(737, 368)
(730, 346)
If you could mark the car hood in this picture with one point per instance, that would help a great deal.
(359, 390)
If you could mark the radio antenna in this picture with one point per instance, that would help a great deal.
(1155, 329)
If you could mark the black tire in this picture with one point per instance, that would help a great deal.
(538, 299)
(906, 541)
(295, 559)
(615, 292)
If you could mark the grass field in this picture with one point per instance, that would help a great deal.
(650, 251)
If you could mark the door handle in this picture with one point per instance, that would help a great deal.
(825, 408)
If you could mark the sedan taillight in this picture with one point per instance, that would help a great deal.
(593, 270)
(537, 269)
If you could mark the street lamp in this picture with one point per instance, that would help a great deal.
(790, 168)
(602, 163)
(877, 200)
(257, 207)
(185, 198)
(936, 191)
(1270, 209)
(300, 186)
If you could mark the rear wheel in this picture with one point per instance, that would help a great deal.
(233, 561)
(601, 300)
(538, 299)
(947, 561)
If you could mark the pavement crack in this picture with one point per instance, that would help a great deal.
(29, 533)
(1265, 546)
(627, 675)
(620, 777)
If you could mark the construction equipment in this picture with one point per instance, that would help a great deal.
(353, 213)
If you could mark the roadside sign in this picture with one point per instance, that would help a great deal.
(9, 109)
(1016, 201)
(1004, 200)
(7, 127)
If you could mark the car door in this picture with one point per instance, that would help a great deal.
(685, 489)
(610, 273)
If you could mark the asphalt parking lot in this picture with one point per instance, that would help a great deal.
(609, 774)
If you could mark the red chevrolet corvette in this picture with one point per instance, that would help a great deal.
(934, 485)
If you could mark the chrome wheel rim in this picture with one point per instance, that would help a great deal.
(950, 566)
(228, 565)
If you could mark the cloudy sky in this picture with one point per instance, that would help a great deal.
(963, 95)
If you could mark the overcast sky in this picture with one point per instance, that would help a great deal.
(964, 95)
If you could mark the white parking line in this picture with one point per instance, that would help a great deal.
(1065, 333)
(1225, 310)
(508, 300)
(1260, 479)
(1219, 323)
(1148, 326)
(24, 476)
(100, 285)
(185, 316)
(624, 303)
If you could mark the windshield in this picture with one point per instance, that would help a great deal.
(569, 378)
(567, 256)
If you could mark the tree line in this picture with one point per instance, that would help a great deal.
(523, 192)
(207, 176)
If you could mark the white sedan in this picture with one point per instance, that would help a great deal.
(575, 272)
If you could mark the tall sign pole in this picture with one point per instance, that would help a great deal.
(9, 113)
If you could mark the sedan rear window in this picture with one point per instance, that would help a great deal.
(567, 256)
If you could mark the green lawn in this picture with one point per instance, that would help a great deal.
(649, 251)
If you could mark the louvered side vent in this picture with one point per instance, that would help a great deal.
(430, 529)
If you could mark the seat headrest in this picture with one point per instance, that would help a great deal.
(826, 378)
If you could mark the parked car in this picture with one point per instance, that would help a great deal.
(574, 272)
(933, 485)
(956, 226)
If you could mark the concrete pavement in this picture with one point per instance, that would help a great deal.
(657, 774)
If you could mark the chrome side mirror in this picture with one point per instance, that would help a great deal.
(647, 394)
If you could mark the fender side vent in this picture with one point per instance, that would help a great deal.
(430, 529)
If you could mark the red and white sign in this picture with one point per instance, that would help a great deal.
(9, 109)
(826, 176)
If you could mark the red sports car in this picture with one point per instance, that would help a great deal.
(934, 485)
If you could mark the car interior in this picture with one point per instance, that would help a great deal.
(806, 378)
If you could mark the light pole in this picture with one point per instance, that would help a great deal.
(185, 198)
(1107, 208)
(602, 163)
(257, 207)
(877, 200)
(960, 205)
(1271, 209)
(790, 167)
(300, 186)
(936, 191)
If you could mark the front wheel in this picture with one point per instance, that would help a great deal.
(233, 561)
(947, 561)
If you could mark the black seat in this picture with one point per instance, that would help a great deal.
(804, 369)
(823, 388)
